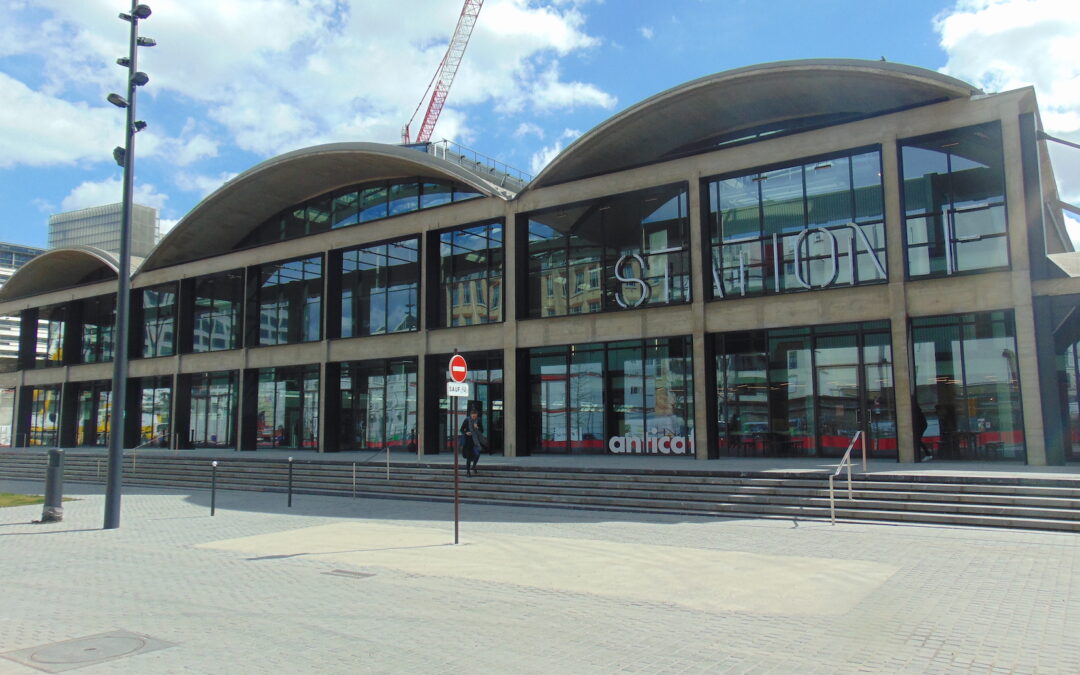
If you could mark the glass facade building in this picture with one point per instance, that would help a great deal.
(880, 256)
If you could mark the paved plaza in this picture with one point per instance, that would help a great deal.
(340, 585)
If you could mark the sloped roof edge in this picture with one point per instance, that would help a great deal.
(740, 98)
(57, 269)
(226, 215)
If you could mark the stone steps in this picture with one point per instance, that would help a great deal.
(1021, 502)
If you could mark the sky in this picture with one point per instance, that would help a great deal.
(234, 83)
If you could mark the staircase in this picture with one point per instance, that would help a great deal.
(1018, 502)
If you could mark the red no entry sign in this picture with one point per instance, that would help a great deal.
(458, 368)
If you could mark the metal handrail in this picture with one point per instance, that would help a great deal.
(846, 461)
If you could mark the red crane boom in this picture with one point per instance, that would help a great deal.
(444, 74)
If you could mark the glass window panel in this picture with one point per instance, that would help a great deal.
(435, 194)
(404, 197)
(782, 201)
(373, 204)
(346, 209)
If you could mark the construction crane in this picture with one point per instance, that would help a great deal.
(444, 74)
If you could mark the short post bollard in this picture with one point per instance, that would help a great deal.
(213, 486)
(289, 482)
(54, 488)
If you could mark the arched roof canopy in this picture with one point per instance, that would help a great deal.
(226, 216)
(746, 102)
(58, 269)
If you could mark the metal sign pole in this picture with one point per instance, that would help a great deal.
(457, 483)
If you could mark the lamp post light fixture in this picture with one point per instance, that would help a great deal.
(125, 157)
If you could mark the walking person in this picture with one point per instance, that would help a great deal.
(474, 441)
(922, 453)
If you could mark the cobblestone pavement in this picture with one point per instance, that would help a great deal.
(338, 585)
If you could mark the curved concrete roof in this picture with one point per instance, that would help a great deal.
(226, 216)
(57, 269)
(746, 98)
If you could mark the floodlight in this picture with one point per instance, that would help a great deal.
(125, 17)
(120, 155)
(138, 125)
(140, 78)
(123, 61)
(117, 100)
(141, 11)
(146, 42)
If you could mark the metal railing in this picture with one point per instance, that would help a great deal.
(846, 461)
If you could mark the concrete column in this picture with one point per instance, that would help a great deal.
(903, 386)
(513, 420)
(700, 263)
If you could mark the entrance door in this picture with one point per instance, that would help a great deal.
(853, 378)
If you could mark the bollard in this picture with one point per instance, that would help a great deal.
(54, 488)
(289, 482)
(213, 486)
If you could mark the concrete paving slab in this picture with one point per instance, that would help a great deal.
(691, 577)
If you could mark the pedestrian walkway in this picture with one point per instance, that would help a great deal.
(337, 585)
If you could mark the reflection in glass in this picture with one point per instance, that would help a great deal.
(623, 397)
(156, 396)
(378, 405)
(287, 407)
(807, 226)
(967, 383)
(218, 299)
(805, 392)
(51, 325)
(159, 320)
(290, 301)
(617, 252)
(213, 410)
(94, 413)
(380, 287)
(471, 275)
(44, 416)
(98, 321)
(954, 201)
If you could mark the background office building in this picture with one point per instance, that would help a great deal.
(99, 226)
(761, 262)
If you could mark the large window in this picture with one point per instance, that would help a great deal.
(94, 413)
(155, 428)
(380, 286)
(797, 227)
(967, 384)
(287, 408)
(290, 301)
(470, 282)
(445, 414)
(98, 321)
(45, 416)
(357, 204)
(213, 410)
(635, 396)
(51, 325)
(806, 391)
(378, 405)
(620, 252)
(217, 302)
(158, 306)
(954, 202)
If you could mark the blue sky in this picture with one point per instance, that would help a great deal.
(234, 83)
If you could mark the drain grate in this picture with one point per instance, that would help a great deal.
(349, 573)
(58, 657)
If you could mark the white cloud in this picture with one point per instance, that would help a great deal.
(528, 129)
(547, 153)
(201, 184)
(1006, 44)
(110, 191)
(166, 224)
(282, 74)
(37, 129)
(646, 32)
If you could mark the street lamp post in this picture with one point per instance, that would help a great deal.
(125, 157)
